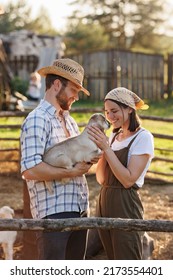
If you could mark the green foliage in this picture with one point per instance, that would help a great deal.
(42, 23)
(82, 37)
(18, 16)
(17, 84)
(129, 24)
(98, 24)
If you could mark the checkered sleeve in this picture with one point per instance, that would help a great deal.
(33, 140)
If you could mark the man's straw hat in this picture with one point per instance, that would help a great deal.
(127, 97)
(67, 68)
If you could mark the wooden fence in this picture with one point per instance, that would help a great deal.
(5, 78)
(86, 223)
(31, 226)
(92, 110)
(25, 64)
(149, 75)
(140, 72)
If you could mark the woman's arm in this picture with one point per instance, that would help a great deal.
(100, 170)
(126, 175)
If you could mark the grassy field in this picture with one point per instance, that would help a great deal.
(162, 109)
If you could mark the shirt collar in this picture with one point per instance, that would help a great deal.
(52, 110)
(48, 107)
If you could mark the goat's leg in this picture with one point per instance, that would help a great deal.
(8, 250)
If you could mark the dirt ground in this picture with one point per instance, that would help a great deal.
(157, 200)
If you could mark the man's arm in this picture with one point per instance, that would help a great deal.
(46, 172)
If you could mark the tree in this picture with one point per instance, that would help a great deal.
(82, 37)
(42, 24)
(126, 22)
(18, 16)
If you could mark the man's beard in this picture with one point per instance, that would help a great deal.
(62, 100)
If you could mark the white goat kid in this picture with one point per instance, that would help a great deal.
(7, 238)
(75, 149)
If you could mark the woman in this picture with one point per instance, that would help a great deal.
(121, 171)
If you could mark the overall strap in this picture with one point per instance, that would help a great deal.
(130, 141)
(114, 137)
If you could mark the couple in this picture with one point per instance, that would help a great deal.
(120, 169)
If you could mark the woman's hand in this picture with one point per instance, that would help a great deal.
(98, 137)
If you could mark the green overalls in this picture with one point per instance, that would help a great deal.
(115, 201)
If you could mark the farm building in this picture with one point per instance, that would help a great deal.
(21, 53)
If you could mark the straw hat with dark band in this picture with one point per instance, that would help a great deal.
(127, 97)
(67, 68)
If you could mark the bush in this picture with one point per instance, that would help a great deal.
(17, 84)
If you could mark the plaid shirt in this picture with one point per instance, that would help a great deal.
(40, 130)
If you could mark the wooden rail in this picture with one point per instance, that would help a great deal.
(4, 114)
(85, 223)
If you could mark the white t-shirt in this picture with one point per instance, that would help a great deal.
(143, 144)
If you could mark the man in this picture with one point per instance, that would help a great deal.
(49, 123)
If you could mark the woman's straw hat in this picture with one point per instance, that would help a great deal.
(127, 97)
(67, 68)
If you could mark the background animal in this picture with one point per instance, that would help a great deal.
(76, 149)
(148, 246)
(7, 238)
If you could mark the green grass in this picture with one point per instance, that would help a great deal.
(160, 128)
(163, 108)
(10, 133)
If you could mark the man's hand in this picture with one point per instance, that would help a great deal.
(81, 168)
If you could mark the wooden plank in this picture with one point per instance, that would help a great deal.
(9, 150)
(10, 126)
(5, 114)
(86, 223)
(160, 173)
(9, 139)
(162, 159)
(164, 150)
(155, 118)
(10, 160)
(163, 136)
